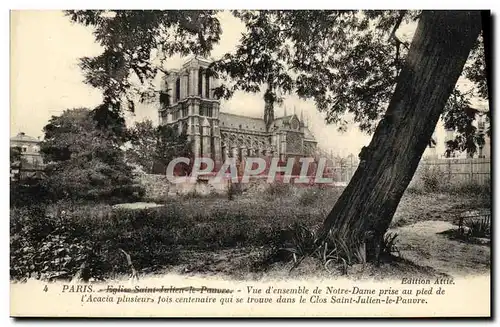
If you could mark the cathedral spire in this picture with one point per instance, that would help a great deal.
(302, 115)
(285, 112)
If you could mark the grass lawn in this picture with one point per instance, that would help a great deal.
(212, 235)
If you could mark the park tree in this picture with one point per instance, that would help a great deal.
(153, 147)
(354, 64)
(435, 61)
(83, 160)
(142, 147)
(351, 64)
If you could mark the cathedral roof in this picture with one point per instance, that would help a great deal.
(235, 121)
(284, 117)
(257, 124)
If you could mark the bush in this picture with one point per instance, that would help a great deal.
(472, 188)
(309, 196)
(27, 193)
(152, 237)
(278, 189)
(41, 245)
(432, 179)
(84, 160)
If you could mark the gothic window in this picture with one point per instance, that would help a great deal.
(200, 82)
(177, 114)
(206, 110)
(294, 142)
(164, 99)
(207, 86)
(178, 89)
(184, 110)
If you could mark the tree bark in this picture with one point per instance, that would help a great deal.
(436, 58)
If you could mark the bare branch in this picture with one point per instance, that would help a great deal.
(393, 36)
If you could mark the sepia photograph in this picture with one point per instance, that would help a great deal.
(250, 163)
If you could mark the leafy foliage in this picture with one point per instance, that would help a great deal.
(433, 179)
(43, 247)
(152, 237)
(143, 139)
(84, 160)
(347, 61)
(153, 148)
(278, 189)
(309, 196)
(16, 155)
(334, 252)
(330, 56)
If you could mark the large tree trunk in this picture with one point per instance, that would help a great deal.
(437, 55)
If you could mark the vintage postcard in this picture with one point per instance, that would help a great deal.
(250, 163)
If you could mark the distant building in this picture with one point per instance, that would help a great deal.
(438, 147)
(29, 148)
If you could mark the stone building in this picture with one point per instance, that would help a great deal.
(29, 148)
(29, 164)
(190, 106)
(439, 148)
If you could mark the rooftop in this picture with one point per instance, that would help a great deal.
(22, 137)
(234, 121)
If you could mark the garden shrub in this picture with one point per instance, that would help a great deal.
(71, 233)
(309, 196)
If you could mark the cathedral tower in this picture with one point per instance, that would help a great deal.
(190, 105)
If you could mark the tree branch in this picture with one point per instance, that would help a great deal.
(393, 36)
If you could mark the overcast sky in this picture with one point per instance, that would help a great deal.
(45, 78)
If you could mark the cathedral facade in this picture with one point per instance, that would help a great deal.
(190, 106)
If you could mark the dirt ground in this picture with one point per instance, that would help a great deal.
(424, 243)
(415, 207)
